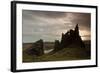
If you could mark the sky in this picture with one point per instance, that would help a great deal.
(49, 25)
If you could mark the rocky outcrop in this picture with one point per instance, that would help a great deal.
(37, 48)
(57, 45)
(73, 38)
(70, 39)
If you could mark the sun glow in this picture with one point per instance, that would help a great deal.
(85, 35)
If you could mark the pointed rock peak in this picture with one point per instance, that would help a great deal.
(77, 29)
(62, 34)
(77, 25)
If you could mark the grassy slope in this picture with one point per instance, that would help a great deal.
(64, 54)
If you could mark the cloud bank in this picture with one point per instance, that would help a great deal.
(49, 25)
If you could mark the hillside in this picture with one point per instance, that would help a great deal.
(64, 54)
(70, 47)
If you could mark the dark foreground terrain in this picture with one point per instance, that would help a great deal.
(61, 55)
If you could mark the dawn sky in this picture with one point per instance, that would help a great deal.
(49, 26)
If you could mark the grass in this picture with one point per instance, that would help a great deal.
(64, 54)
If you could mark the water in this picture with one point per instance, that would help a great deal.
(48, 51)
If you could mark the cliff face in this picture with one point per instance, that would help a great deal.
(71, 39)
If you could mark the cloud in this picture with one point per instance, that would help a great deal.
(49, 25)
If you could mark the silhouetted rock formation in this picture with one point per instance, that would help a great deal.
(57, 45)
(71, 39)
(37, 48)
